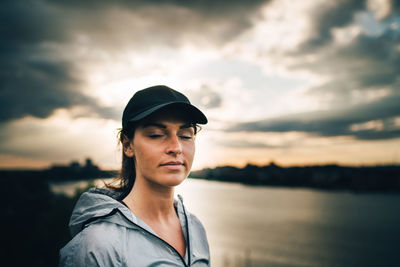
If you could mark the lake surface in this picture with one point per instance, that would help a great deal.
(266, 226)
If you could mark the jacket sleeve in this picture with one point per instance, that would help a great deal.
(96, 245)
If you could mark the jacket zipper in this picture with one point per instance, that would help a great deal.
(165, 242)
(187, 228)
(170, 246)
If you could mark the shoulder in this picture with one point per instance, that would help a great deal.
(98, 244)
(103, 236)
(196, 223)
(198, 240)
(197, 230)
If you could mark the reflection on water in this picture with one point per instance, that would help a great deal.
(69, 188)
(261, 226)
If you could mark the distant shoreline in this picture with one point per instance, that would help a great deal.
(383, 178)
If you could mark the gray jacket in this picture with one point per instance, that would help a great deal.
(106, 233)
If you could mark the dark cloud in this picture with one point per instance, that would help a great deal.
(393, 9)
(34, 88)
(206, 7)
(35, 81)
(29, 22)
(327, 15)
(141, 24)
(37, 87)
(354, 72)
(335, 122)
(367, 60)
(246, 144)
(367, 65)
(395, 6)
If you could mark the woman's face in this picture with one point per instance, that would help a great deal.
(163, 148)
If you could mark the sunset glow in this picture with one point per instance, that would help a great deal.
(295, 83)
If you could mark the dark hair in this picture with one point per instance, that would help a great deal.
(124, 183)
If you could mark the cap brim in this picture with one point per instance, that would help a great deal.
(195, 113)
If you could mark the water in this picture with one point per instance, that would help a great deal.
(262, 226)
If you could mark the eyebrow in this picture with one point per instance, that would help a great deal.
(160, 125)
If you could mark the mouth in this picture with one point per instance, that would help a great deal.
(172, 165)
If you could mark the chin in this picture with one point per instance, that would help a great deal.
(174, 180)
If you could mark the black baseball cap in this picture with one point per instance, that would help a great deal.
(147, 101)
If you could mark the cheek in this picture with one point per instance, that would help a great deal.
(145, 156)
(189, 151)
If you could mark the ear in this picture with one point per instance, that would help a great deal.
(127, 146)
(129, 150)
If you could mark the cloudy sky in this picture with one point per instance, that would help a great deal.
(294, 82)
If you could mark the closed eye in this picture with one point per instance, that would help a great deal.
(155, 136)
(185, 136)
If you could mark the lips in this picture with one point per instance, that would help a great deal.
(173, 166)
(172, 163)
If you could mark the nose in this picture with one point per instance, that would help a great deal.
(174, 145)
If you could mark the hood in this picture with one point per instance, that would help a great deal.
(102, 203)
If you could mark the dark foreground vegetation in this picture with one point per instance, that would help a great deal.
(34, 222)
(335, 177)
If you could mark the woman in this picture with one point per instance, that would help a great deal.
(139, 223)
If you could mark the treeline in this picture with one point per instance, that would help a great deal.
(34, 221)
(335, 177)
(59, 173)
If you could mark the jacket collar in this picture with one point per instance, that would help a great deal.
(101, 203)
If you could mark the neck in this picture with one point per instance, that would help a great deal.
(151, 201)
